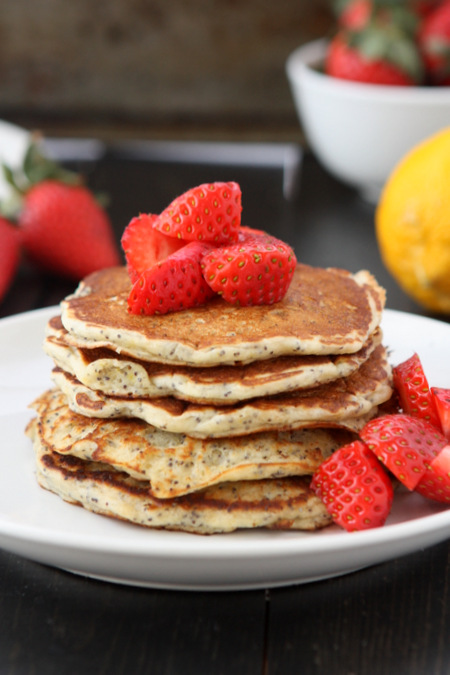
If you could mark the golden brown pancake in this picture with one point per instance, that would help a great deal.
(285, 503)
(325, 311)
(174, 463)
(115, 374)
(347, 403)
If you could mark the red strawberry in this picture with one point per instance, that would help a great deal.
(210, 212)
(425, 7)
(354, 488)
(434, 41)
(65, 231)
(435, 484)
(404, 444)
(144, 245)
(358, 14)
(173, 284)
(354, 14)
(256, 271)
(441, 398)
(9, 254)
(374, 56)
(413, 391)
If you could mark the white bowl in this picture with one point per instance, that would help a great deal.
(360, 131)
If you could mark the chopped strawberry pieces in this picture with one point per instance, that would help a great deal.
(404, 444)
(144, 245)
(243, 265)
(210, 212)
(435, 484)
(442, 401)
(255, 271)
(354, 487)
(172, 284)
(413, 390)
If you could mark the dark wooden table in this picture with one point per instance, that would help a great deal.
(393, 618)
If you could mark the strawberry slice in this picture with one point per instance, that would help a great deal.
(255, 271)
(172, 284)
(435, 484)
(144, 245)
(209, 212)
(442, 401)
(413, 390)
(354, 487)
(404, 444)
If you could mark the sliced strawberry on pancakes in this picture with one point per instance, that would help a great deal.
(144, 246)
(209, 212)
(255, 271)
(172, 284)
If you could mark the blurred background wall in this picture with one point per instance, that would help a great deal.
(154, 68)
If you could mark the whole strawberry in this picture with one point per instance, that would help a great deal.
(65, 231)
(375, 55)
(353, 14)
(434, 40)
(9, 254)
(63, 228)
(404, 14)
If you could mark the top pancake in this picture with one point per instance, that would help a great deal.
(114, 374)
(325, 311)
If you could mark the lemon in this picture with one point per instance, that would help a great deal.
(413, 223)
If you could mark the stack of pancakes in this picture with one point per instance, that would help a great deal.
(213, 418)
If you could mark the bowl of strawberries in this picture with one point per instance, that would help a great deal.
(375, 89)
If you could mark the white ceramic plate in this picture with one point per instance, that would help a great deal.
(38, 525)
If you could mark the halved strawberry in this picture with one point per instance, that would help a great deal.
(354, 487)
(209, 212)
(404, 444)
(144, 245)
(413, 390)
(172, 284)
(255, 271)
(442, 401)
(435, 484)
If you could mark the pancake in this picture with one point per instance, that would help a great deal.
(176, 464)
(325, 311)
(347, 403)
(115, 374)
(285, 503)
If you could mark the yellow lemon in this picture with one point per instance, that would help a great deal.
(413, 223)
